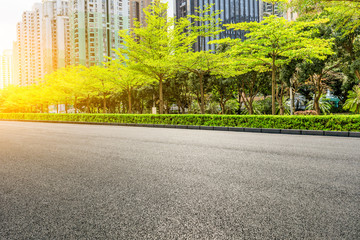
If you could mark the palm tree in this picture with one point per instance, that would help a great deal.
(324, 105)
(353, 101)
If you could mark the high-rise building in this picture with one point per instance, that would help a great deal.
(291, 15)
(232, 11)
(137, 7)
(6, 69)
(26, 50)
(42, 43)
(136, 12)
(267, 9)
(56, 35)
(94, 27)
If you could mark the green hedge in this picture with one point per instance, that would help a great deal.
(329, 122)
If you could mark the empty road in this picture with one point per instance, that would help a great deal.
(67, 181)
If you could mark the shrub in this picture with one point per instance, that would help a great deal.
(307, 112)
(329, 122)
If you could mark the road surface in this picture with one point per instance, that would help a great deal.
(65, 181)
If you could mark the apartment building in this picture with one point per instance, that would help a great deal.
(6, 77)
(55, 35)
(42, 44)
(94, 27)
(136, 12)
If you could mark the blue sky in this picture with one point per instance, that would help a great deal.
(10, 14)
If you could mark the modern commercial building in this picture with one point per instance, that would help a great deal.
(94, 27)
(232, 11)
(6, 77)
(42, 43)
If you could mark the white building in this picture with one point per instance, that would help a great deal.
(6, 69)
(42, 44)
(94, 29)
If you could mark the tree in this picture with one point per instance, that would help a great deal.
(177, 90)
(250, 85)
(274, 42)
(202, 64)
(99, 82)
(69, 84)
(205, 23)
(126, 78)
(353, 102)
(223, 90)
(152, 47)
(322, 105)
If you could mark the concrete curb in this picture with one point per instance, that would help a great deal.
(231, 129)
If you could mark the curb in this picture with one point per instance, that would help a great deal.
(230, 129)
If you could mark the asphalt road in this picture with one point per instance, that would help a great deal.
(64, 181)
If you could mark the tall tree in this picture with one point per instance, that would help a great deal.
(99, 81)
(124, 77)
(203, 61)
(275, 41)
(152, 47)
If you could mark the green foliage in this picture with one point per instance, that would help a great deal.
(165, 63)
(324, 105)
(275, 42)
(330, 122)
(353, 101)
(153, 47)
(204, 24)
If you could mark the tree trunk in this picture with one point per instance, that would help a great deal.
(161, 105)
(222, 105)
(281, 106)
(280, 102)
(291, 98)
(66, 109)
(357, 73)
(273, 86)
(104, 103)
(202, 104)
(88, 104)
(251, 109)
(282, 110)
(129, 99)
(318, 95)
(240, 103)
(317, 104)
(75, 103)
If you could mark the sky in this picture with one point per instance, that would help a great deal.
(10, 14)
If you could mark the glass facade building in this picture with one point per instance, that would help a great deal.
(233, 11)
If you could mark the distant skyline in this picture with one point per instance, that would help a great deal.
(10, 14)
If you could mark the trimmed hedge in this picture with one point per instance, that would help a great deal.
(328, 122)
